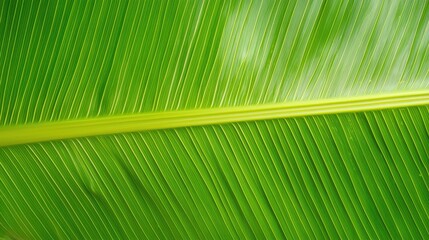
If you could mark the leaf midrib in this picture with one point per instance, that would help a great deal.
(49, 131)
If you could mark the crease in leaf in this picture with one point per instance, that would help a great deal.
(32, 133)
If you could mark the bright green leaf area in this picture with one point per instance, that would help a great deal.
(354, 175)
(65, 60)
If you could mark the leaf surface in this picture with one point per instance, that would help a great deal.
(70, 69)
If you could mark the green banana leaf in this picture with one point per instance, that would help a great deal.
(214, 119)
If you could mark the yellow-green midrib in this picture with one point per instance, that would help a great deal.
(48, 131)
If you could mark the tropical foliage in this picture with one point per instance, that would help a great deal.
(143, 120)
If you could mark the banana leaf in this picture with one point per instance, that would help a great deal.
(214, 120)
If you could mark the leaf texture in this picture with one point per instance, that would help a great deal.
(352, 176)
(66, 60)
(360, 175)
